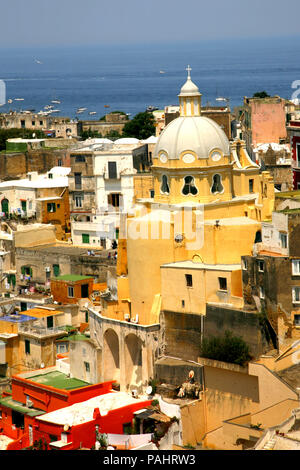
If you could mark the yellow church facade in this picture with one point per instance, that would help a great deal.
(209, 201)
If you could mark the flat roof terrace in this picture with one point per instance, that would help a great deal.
(54, 379)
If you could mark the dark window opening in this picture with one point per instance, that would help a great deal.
(77, 180)
(51, 207)
(258, 238)
(27, 346)
(84, 291)
(114, 199)
(50, 322)
(17, 419)
(165, 189)
(217, 186)
(251, 186)
(189, 186)
(189, 280)
(222, 283)
(79, 158)
(112, 170)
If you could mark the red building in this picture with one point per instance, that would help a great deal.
(43, 392)
(293, 130)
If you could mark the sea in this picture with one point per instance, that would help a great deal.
(131, 77)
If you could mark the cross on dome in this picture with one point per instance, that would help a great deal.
(188, 69)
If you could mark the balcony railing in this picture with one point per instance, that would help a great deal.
(41, 331)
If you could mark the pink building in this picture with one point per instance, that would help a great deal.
(263, 121)
(293, 130)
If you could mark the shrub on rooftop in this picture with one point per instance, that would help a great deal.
(226, 348)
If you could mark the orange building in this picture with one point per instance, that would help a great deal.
(68, 289)
(55, 209)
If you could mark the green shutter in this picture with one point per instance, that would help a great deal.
(85, 238)
(56, 270)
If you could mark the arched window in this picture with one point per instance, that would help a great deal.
(217, 186)
(189, 186)
(164, 185)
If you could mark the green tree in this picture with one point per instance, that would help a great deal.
(227, 348)
(89, 133)
(261, 94)
(113, 135)
(141, 126)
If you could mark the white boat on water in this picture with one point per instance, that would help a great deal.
(55, 101)
(92, 112)
(19, 99)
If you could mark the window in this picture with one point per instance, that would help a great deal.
(244, 264)
(152, 193)
(189, 186)
(296, 267)
(251, 186)
(78, 201)
(23, 124)
(217, 186)
(79, 158)
(70, 291)
(113, 199)
(297, 320)
(189, 280)
(164, 188)
(86, 317)
(87, 366)
(26, 271)
(298, 154)
(23, 205)
(222, 283)
(283, 239)
(261, 292)
(296, 295)
(59, 162)
(261, 265)
(33, 123)
(50, 176)
(41, 123)
(182, 303)
(27, 346)
(50, 322)
(55, 270)
(77, 180)
(51, 207)
(85, 238)
(112, 170)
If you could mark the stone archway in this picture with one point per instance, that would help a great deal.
(111, 354)
(133, 361)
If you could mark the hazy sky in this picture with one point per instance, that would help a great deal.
(66, 22)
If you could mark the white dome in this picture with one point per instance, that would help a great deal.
(127, 140)
(198, 134)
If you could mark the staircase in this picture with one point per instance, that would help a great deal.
(269, 445)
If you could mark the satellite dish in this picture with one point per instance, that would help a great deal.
(149, 390)
(42, 365)
(66, 427)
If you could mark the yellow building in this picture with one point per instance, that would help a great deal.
(209, 201)
(183, 247)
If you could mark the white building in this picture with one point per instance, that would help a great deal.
(19, 196)
(114, 191)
